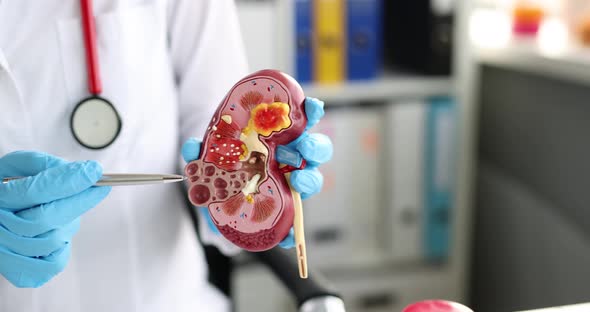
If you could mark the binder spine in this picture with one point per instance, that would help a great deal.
(439, 169)
(404, 175)
(329, 50)
(304, 41)
(364, 38)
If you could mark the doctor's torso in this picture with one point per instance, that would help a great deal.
(42, 44)
(137, 250)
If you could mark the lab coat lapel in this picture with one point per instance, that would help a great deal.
(13, 115)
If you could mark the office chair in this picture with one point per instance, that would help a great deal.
(311, 294)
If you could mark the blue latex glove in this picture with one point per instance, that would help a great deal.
(40, 214)
(315, 148)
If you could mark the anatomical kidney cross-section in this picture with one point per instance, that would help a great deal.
(237, 177)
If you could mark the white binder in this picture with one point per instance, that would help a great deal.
(342, 222)
(258, 25)
(404, 182)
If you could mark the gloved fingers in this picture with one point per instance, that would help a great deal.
(53, 215)
(49, 185)
(288, 155)
(289, 241)
(39, 246)
(32, 272)
(316, 148)
(314, 109)
(20, 226)
(191, 149)
(63, 234)
(308, 181)
(305, 196)
(27, 163)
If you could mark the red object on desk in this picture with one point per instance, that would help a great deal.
(436, 306)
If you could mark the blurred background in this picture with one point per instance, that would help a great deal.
(461, 149)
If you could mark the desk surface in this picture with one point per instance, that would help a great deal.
(570, 308)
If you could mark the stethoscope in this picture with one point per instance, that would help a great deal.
(95, 123)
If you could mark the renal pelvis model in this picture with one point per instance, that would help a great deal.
(237, 177)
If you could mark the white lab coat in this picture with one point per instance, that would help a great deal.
(165, 65)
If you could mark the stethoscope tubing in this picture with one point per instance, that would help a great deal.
(92, 63)
(95, 89)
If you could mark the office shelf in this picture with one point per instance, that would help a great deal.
(572, 64)
(389, 87)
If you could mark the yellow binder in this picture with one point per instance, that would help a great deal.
(329, 50)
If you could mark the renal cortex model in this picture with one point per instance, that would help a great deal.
(238, 178)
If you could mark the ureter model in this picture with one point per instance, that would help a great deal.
(299, 232)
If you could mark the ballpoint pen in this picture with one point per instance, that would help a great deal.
(119, 179)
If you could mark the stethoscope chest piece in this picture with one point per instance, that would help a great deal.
(95, 123)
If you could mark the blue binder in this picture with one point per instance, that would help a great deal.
(439, 177)
(303, 43)
(363, 38)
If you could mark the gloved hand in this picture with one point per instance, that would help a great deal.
(315, 148)
(40, 214)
